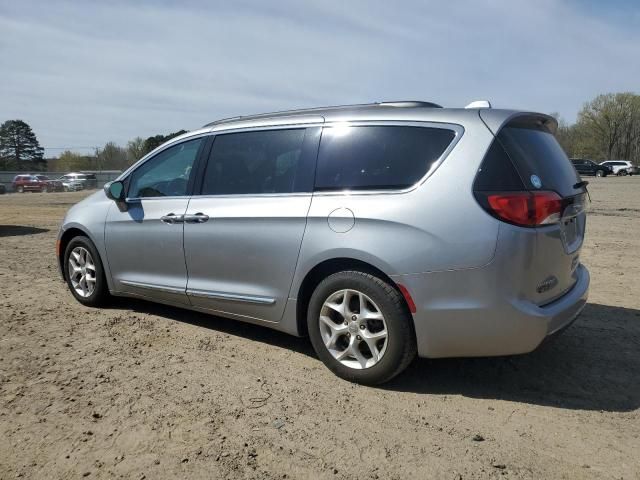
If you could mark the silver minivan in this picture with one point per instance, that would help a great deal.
(381, 231)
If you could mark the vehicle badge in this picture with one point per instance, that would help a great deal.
(535, 181)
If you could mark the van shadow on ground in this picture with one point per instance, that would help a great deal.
(19, 230)
(593, 365)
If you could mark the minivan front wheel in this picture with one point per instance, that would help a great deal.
(84, 273)
(360, 327)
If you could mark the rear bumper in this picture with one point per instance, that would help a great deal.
(465, 314)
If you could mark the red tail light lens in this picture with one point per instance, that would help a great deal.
(527, 209)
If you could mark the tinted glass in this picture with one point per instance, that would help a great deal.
(166, 174)
(497, 173)
(377, 157)
(535, 151)
(266, 161)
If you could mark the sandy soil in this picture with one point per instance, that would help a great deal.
(146, 391)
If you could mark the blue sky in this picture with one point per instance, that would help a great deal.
(82, 73)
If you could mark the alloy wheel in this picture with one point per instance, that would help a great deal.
(82, 271)
(353, 329)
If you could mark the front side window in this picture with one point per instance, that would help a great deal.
(378, 157)
(268, 161)
(167, 173)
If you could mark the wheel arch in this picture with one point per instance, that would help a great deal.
(328, 267)
(69, 233)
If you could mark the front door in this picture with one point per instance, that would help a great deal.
(244, 231)
(144, 241)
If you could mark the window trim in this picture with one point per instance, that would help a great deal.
(457, 129)
(209, 137)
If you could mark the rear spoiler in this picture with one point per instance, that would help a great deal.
(497, 119)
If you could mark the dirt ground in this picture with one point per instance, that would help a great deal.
(147, 391)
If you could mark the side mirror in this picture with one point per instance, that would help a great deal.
(115, 191)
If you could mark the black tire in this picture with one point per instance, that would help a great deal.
(600, 173)
(401, 339)
(100, 294)
(44, 189)
(624, 173)
(20, 189)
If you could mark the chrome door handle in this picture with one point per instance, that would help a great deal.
(172, 218)
(196, 218)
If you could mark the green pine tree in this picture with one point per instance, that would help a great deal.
(19, 147)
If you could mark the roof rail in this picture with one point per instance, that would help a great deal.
(410, 103)
(311, 111)
(479, 104)
(222, 120)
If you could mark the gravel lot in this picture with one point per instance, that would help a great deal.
(147, 391)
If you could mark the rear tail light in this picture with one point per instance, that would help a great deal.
(526, 209)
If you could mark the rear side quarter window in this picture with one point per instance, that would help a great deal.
(378, 157)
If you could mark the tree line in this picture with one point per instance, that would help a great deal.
(20, 150)
(607, 128)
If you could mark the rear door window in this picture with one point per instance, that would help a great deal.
(378, 157)
(258, 162)
(536, 153)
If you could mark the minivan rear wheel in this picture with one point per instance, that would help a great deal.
(84, 273)
(360, 327)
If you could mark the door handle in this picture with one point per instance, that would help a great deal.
(196, 218)
(172, 218)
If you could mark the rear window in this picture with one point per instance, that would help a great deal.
(536, 153)
(497, 172)
(377, 157)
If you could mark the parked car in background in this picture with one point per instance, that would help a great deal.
(71, 185)
(621, 167)
(589, 167)
(3, 189)
(53, 185)
(382, 231)
(88, 180)
(36, 183)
